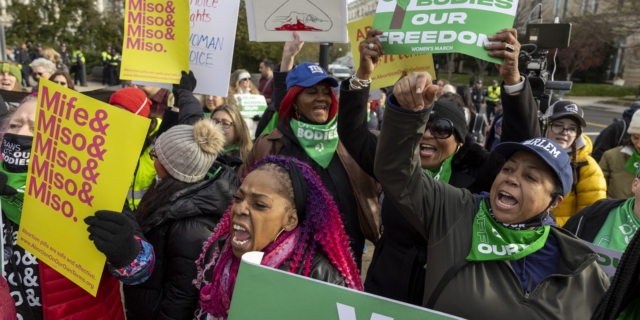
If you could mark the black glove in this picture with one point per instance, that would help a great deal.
(6, 190)
(112, 233)
(187, 82)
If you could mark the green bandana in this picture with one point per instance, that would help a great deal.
(633, 163)
(318, 140)
(443, 172)
(501, 243)
(231, 148)
(631, 312)
(12, 205)
(619, 228)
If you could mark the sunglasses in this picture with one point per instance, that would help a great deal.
(440, 128)
(39, 74)
(152, 154)
(245, 79)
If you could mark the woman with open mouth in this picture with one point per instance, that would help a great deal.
(448, 153)
(565, 121)
(283, 210)
(308, 131)
(495, 255)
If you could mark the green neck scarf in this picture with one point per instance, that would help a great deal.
(491, 241)
(443, 172)
(633, 163)
(12, 205)
(631, 312)
(319, 141)
(231, 148)
(619, 228)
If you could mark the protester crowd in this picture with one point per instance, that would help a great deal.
(476, 207)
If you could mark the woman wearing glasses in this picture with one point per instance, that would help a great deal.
(62, 79)
(447, 153)
(177, 215)
(565, 120)
(238, 142)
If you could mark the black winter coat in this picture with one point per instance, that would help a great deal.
(398, 266)
(612, 136)
(586, 223)
(177, 232)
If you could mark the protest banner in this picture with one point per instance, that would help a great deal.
(260, 292)
(314, 20)
(251, 105)
(391, 66)
(156, 40)
(428, 26)
(83, 157)
(607, 259)
(211, 46)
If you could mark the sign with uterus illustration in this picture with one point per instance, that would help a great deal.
(313, 20)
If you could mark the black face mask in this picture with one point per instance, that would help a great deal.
(16, 150)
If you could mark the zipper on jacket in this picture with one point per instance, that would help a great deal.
(527, 292)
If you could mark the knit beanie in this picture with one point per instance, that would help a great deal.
(132, 99)
(634, 126)
(187, 152)
(13, 70)
(444, 108)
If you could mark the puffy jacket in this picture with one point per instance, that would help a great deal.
(590, 188)
(613, 136)
(177, 231)
(618, 178)
(444, 214)
(7, 305)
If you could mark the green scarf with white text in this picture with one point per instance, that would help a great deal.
(492, 241)
(633, 163)
(319, 141)
(443, 172)
(12, 205)
(619, 228)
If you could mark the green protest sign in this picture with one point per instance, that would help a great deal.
(442, 26)
(251, 105)
(266, 293)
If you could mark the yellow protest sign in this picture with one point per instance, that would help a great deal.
(391, 66)
(82, 160)
(156, 40)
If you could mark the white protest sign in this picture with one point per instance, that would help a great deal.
(211, 46)
(314, 20)
(607, 259)
(213, 35)
(251, 105)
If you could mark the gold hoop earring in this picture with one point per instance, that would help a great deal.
(279, 233)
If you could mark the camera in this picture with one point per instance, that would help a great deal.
(543, 37)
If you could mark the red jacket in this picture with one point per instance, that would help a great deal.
(63, 299)
(7, 305)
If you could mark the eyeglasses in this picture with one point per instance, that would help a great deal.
(558, 128)
(152, 154)
(440, 128)
(223, 123)
(61, 83)
(245, 79)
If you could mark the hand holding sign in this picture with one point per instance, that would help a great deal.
(371, 52)
(508, 48)
(416, 91)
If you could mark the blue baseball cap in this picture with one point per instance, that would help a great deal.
(547, 150)
(308, 74)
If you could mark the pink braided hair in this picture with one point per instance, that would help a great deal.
(322, 226)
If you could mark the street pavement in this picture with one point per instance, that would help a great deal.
(598, 114)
